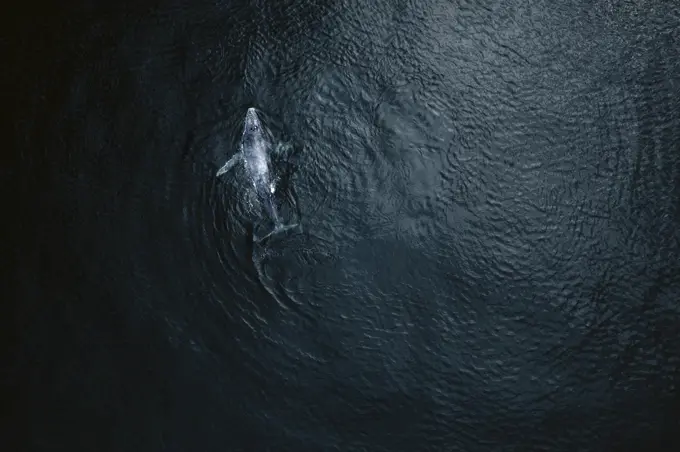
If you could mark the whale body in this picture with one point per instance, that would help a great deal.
(254, 153)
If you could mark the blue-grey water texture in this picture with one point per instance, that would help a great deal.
(489, 259)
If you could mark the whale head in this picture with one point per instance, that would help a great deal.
(252, 124)
(254, 140)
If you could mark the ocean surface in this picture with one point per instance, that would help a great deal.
(489, 251)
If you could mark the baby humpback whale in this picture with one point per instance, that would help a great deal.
(254, 152)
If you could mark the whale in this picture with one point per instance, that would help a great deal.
(254, 154)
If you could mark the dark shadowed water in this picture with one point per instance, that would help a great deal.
(489, 195)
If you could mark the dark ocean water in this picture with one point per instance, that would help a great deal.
(490, 253)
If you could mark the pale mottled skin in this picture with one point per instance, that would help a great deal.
(255, 150)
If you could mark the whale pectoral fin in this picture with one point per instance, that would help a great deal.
(278, 148)
(282, 149)
(287, 153)
(230, 164)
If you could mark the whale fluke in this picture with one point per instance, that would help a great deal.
(278, 229)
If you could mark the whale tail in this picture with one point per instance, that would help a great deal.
(279, 228)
